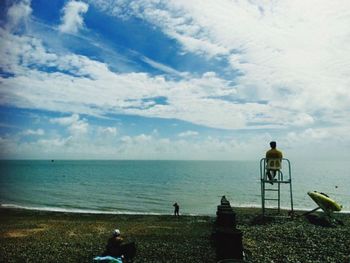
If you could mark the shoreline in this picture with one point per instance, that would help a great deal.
(99, 212)
(46, 236)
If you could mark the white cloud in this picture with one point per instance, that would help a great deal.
(293, 61)
(117, 92)
(48, 145)
(293, 54)
(316, 143)
(76, 126)
(188, 134)
(163, 67)
(72, 18)
(311, 134)
(200, 46)
(37, 132)
(303, 119)
(18, 14)
(66, 121)
(108, 131)
(186, 99)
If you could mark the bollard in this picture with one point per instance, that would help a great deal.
(226, 217)
(228, 239)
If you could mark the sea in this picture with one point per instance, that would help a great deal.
(152, 187)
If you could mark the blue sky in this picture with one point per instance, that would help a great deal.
(117, 79)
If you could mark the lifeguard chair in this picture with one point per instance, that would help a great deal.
(281, 176)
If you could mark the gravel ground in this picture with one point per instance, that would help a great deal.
(34, 236)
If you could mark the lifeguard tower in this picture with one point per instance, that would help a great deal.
(283, 175)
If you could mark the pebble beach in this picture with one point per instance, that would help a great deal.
(39, 236)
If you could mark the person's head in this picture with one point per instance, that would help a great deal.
(116, 232)
(273, 144)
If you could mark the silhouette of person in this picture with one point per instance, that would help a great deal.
(113, 247)
(176, 209)
(273, 154)
(117, 247)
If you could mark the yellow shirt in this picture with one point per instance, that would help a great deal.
(274, 154)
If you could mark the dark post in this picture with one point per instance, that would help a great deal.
(228, 239)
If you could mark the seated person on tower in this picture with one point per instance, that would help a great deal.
(273, 161)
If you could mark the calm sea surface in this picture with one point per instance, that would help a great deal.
(153, 186)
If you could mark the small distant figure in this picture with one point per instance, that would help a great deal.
(224, 201)
(176, 209)
(273, 160)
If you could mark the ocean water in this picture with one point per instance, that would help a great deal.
(152, 187)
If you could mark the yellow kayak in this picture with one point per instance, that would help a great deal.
(323, 201)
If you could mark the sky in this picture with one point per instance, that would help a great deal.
(174, 79)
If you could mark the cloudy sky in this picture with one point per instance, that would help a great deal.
(174, 79)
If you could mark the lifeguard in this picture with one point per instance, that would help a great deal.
(273, 161)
